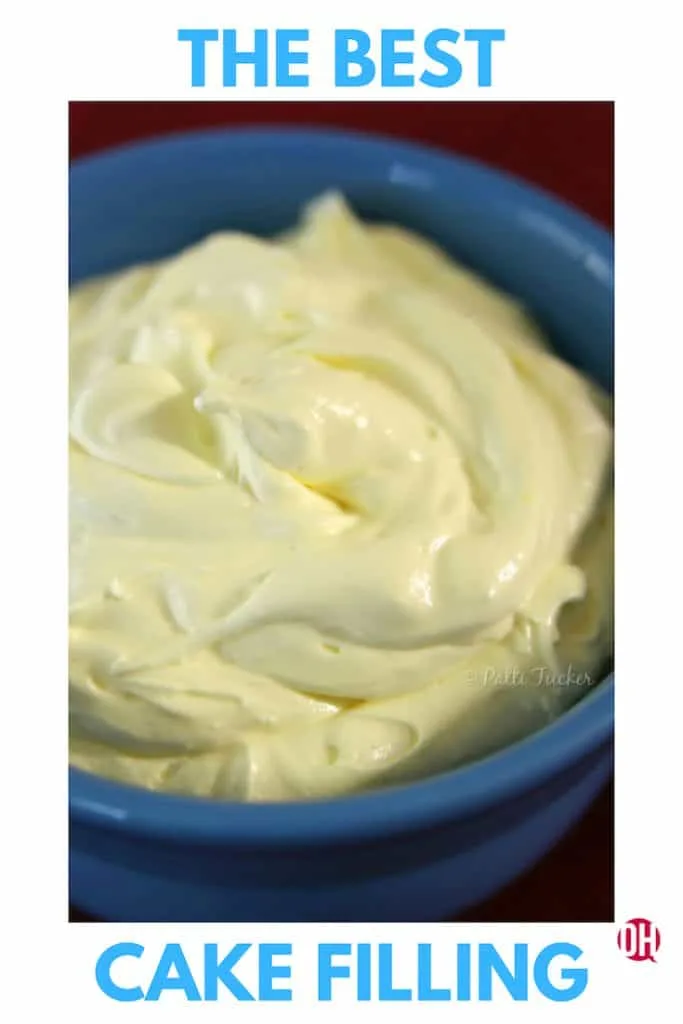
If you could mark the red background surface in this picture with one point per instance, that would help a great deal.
(567, 148)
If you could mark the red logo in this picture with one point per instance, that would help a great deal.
(639, 939)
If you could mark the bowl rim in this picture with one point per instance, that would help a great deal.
(383, 144)
(460, 792)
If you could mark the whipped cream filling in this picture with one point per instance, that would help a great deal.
(339, 517)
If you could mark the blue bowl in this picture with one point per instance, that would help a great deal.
(420, 852)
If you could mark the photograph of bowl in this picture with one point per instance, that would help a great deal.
(416, 848)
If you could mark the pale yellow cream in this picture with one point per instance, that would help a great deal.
(338, 517)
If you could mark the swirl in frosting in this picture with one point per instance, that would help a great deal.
(338, 517)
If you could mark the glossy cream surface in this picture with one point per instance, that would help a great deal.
(338, 517)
